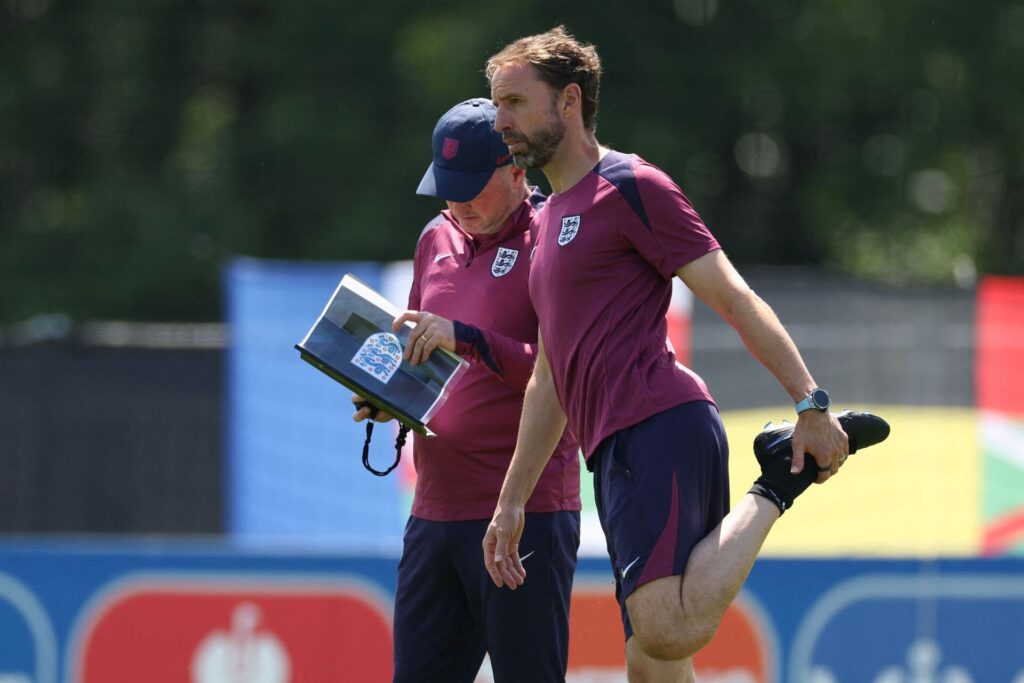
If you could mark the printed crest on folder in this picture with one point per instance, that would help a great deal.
(380, 356)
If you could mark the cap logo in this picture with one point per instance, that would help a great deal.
(502, 159)
(450, 148)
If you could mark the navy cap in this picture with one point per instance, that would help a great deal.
(467, 150)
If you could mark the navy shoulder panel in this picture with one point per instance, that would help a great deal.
(537, 198)
(617, 169)
(438, 220)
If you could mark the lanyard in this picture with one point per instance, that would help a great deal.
(399, 443)
(403, 431)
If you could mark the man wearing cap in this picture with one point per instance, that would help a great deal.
(469, 295)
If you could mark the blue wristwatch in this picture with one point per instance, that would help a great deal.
(816, 400)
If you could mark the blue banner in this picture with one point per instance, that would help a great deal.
(82, 612)
(294, 472)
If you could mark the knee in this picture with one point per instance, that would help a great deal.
(659, 645)
(663, 629)
(667, 641)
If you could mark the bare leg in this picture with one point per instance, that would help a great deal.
(642, 668)
(673, 617)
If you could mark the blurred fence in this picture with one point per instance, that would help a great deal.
(109, 436)
(866, 343)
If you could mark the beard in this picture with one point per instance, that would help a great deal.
(540, 148)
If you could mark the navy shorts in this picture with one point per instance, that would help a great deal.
(661, 486)
(448, 612)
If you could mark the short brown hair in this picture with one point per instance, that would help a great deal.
(559, 59)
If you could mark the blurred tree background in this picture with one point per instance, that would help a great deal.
(143, 143)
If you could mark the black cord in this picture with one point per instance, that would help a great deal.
(403, 431)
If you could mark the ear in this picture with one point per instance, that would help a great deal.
(572, 99)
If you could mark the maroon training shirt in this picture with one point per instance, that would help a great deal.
(601, 281)
(482, 283)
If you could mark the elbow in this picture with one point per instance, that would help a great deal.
(739, 305)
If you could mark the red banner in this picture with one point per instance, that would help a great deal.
(742, 649)
(1000, 345)
(286, 631)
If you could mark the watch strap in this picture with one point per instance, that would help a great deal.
(813, 402)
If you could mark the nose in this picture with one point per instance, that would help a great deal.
(502, 120)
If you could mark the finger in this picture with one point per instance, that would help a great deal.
(407, 316)
(797, 464)
(492, 570)
(418, 355)
(513, 566)
(440, 331)
(362, 409)
(824, 463)
(489, 562)
(413, 345)
(428, 348)
(826, 469)
(517, 569)
(832, 460)
(508, 577)
(840, 461)
(499, 570)
(410, 346)
(501, 543)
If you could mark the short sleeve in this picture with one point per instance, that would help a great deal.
(670, 232)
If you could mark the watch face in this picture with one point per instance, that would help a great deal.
(819, 397)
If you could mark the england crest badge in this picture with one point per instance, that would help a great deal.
(503, 261)
(570, 226)
(380, 356)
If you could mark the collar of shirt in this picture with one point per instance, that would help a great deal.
(516, 223)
